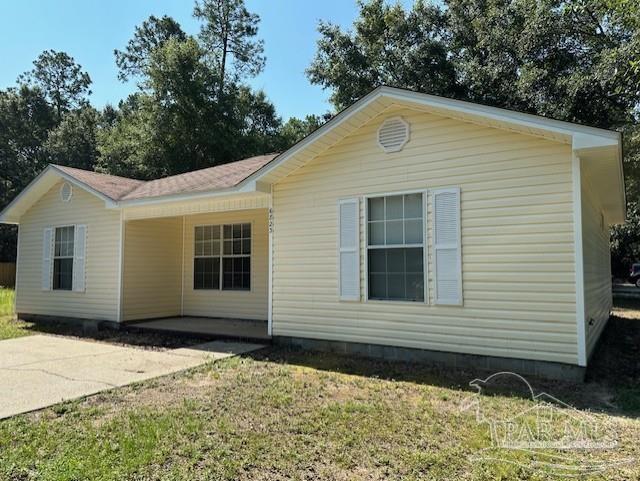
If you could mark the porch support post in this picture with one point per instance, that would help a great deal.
(182, 272)
(121, 265)
(270, 276)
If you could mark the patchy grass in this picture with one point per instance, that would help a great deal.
(7, 298)
(9, 326)
(287, 414)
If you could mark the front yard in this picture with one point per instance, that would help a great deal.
(8, 326)
(287, 414)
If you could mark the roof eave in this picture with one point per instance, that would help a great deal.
(11, 213)
(241, 188)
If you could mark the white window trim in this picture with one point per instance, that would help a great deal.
(434, 192)
(424, 245)
(340, 249)
(54, 257)
(222, 256)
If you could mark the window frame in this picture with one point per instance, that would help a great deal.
(196, 256)
(424, 245)
(54, 256)
(221, 256)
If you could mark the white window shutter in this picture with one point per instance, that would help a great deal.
(349, 249)
(446, 246)
(79, 256)
(47, 259)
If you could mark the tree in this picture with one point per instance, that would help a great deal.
(228, 35)
(564, 59)
(62, 80)
(127, 142)
(388, 46)
(296, 129)
(73, 142)
(575, 60)
(152, 34)
(25, 120)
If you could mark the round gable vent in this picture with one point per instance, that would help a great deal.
(393, 134)
(66, 192)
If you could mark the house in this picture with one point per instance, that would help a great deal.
(409, 226)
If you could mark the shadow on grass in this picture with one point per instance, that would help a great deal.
(150, 340)
(612, 383)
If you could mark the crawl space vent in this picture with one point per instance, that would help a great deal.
(393, 134)
(66, 192)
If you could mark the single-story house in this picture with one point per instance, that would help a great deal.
(409, 226)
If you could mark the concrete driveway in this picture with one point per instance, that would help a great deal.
(38, 371)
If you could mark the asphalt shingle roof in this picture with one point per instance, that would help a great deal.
(211, 179)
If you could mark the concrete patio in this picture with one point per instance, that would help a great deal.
(207, 327)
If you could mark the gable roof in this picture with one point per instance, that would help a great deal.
(114, 189)
(213, 178)
(601, 147)
(112, 186)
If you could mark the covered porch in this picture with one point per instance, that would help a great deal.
(243, 329)
(198, 268)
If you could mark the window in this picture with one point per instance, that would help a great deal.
(395, 247)
(206, 268)
(222, 257)
(63, 258)
(236, 264)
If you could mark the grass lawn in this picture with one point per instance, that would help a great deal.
(9, 326)
(287, 414)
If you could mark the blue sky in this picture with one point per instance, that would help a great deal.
(90, 30)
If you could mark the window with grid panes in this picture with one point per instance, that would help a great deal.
(63, 258)
(222, 257)
(395, 247)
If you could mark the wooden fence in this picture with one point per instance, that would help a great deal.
(7, 274)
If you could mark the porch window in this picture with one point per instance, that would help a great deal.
(206, 267)
(236, 263)
(63, 258)
(395, 247)
(222, 257)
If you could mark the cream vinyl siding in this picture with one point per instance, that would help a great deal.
(152, 268)
(597, 265)
(100, 298)
(227, 303)
(517, 241)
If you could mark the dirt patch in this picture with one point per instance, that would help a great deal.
(141, 340)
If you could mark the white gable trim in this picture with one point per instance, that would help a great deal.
(583, 139)
(38, 187)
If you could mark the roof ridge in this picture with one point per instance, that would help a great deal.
(97, 173)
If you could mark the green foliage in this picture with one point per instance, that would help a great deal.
(574, 60)
(61, 79)
(25, 121)
(152, 34)
(228, 35)
(73, 141)
(388, 45)
(182, 122)
(296, 129)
